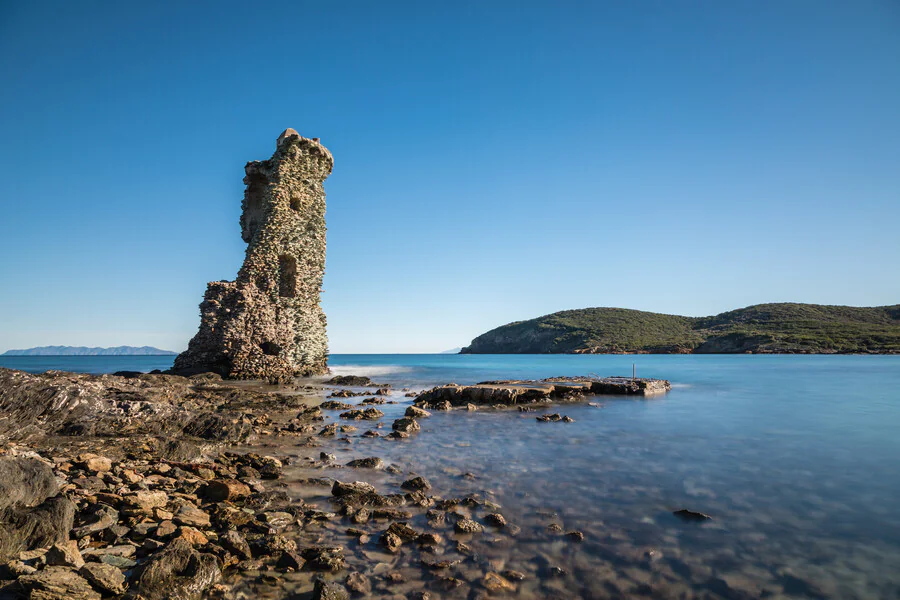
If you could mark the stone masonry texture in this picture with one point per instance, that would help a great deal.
(268, 323)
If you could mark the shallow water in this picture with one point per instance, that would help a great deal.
(797, 458)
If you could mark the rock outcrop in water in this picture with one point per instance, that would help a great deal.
(268, 324)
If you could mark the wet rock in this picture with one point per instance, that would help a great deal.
(222, 490)
(568, 419)
(415, 484)
(361, 516)
(354, 488)
(496, 519)
(178, 572)
(335, 405)
(513, 575)
(57, 583)
(391, 541)
(466, 525)
(269, 467)
(105, 578)
(429, 539)
(372, 462)
(497, 583)
(575, 536)
(324, 558)
(329, 590)
(406, 425)
(277, 519)
(325, 456)
(691, 516)
(350, 380)
(549, 418)
(417, 413)
(359, 584)
(329, 430)
(368, 414)
(440, 564)
(65, 554)
(290, 560)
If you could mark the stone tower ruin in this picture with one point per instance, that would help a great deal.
(267, 323)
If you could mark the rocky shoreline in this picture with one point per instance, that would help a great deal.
(148, 486)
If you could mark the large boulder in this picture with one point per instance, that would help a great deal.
(30, 516)
(25, 482)
(178, 572)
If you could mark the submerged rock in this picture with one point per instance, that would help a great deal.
(691, 516)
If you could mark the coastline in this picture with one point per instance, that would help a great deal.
(616, 472)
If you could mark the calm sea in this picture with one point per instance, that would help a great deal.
(797, 458)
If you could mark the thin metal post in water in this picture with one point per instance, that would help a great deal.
(633, 372)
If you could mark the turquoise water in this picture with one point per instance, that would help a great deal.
(797, 458)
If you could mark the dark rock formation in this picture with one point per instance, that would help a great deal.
(268, 324)
(546, 390)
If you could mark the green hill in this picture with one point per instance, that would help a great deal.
(765, 328)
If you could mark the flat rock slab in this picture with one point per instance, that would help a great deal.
(544, 390)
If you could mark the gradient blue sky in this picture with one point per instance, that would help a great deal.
(495, 161)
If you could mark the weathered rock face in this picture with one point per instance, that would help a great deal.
(268, 324)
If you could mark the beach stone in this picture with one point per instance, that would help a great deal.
(497, 583)
(192, 536)
(27, 528)
(417, 413)
(235, 543)
(165, 529)
(146, 500)
(372, 462)
(329, 590)
(406, 425)
(324, 558)
(105, 578)
(65, 554)
(357, 487)
(221, 490)
(359, 584)
(496, 519)
(369, 414)
(416, 483)
(290, 560)
(468, 526)
(57, 583)
(25, 482)
(95, 464)
(190, 515)
(177, 572)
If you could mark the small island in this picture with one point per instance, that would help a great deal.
(784, 328)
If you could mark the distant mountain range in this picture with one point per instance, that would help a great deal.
(84, 351)
(785, 328)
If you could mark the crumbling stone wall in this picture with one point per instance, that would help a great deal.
(268, 324)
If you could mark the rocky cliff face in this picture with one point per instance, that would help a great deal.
(268, 324)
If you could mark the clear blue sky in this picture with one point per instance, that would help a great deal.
(495, 161)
